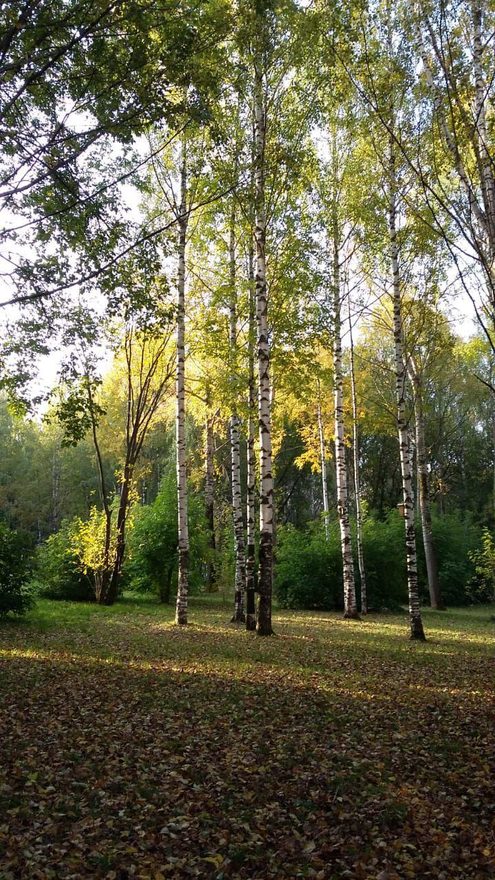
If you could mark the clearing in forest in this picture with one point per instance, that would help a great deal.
(132, 748)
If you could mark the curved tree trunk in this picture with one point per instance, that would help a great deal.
(264, 622)
(183, 533)
(415, 620)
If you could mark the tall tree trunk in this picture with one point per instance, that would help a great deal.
(424, 491)
(210, 500)
(102, 578)
(235, 452)
(415, 620)
(265, 581)
(357, 481)
(350, 606)
(323, 466)
(251, 457)
(182, 522)
(122, 514)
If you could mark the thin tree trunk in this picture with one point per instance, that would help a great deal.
(350, 606)
(210, 500)
(424, 492)
(102, 578)
(251, 458)
(357, 481)
(323, 466)
(415, 620)
(265, 582)
(235, 453)
(183, 532)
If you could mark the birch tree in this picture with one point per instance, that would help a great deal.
(234, 431)
(415, 620)
(356, 469)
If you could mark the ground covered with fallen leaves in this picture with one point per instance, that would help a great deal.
(337, 749)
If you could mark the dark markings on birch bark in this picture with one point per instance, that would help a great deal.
(323, 466)
(350, 606)
(183, 532)
(424, 490)
(415, 620)
(265, 585)
(251, 457)
(234, 432)
(211, 576)
(357, 481)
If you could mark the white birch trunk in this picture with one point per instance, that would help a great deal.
(357, 481)
(264, 621)
(415, 620)
(423, 490)
(210, 498)
(251, 458)
(350, 606)
(323, 466)
(182, 522)
(235, 454)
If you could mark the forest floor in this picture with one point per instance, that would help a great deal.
(337, 749)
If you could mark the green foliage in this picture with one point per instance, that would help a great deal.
(58, 572)
(15, 563)
(383, 543)
(481, 588)
(309, 568)
(455, 538)
(152, 546)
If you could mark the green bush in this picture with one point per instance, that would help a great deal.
(481, 587)
(308, 571)
(455, 539)
(58, 571)
(151, 562)
(309, 568)
(384, 560)
(15, 565)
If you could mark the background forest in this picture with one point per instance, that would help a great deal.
(249, 295)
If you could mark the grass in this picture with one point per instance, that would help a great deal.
(133, 748)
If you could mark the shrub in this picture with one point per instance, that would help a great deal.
(151, 561)
(308, 571)
(309, 568)
(15, 565)
(58, 573)
(384, 560)
(455, 539)
(481, 587)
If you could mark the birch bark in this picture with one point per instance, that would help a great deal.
(251, 457)
(415, 620)
(323, 465)
(264, 621)
(423, 489)
(350, 606)
(235, 455)
(210, 498)
(357, 481)
(183, 532)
